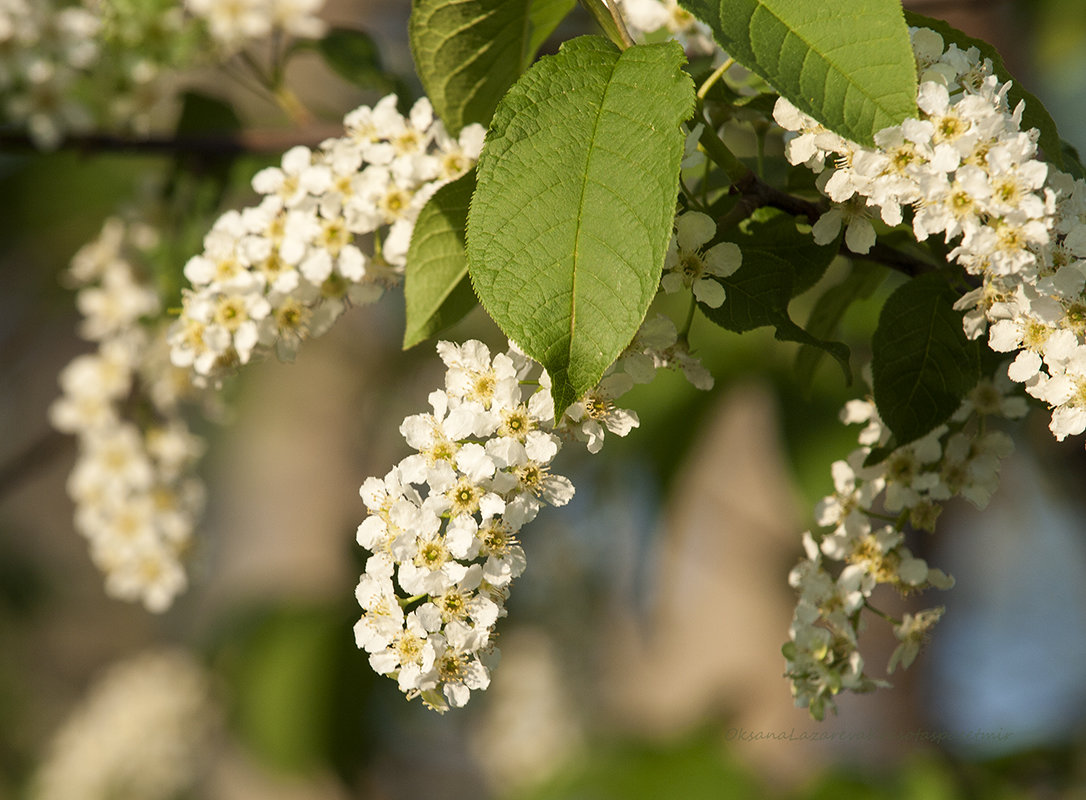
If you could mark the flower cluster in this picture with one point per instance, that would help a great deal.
(142, 731)
(971, 173)
(483, 457)
(45, 52)
(1044, 319)
(236, 24)
(285, 269)
(964, 164)
(137, 500)
(57, 55)
(863, 539)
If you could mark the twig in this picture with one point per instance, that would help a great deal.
(895, 259)
(33, 456)
(224, 145)
(755, 193)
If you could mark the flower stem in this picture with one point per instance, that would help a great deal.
(406, 601)
(735, 169)
(760, 138)
(272, 82)
(718, 73)
(292, 106)
(684, 334)
(608, 18)
(882, 614)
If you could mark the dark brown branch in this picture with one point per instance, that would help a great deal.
(755, 193)
(223, 145)
(31, 457)
(767, 195)
(895, 259)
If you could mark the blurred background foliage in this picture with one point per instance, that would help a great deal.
(644, 638)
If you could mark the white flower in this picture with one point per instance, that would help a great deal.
(911, 632)
(859, 234)
(649, 16)
(847, 509)
(596, 412)
(686, 266)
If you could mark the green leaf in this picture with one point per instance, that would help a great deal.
(576, 195)
(922, 364)
(544, 18)
(830, 308)
(436, 288)
(1034, 115)
(353, 55)
(758, 294)
(849, 63)
(1072, 162)
(203, 114)
(774, 232)
(469, 52)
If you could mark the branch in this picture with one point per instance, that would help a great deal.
(757, 193)
(895, 259)
(222, 145)
(35, 455)
(754, 193)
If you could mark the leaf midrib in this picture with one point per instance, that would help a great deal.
(791, 31)
(580, 209)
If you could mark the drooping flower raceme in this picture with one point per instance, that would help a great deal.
(136, 495)
(283, 270)
(861, 544)
(443, 525)
(965, 164)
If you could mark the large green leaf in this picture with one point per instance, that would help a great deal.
(922, 364)
(1033, 116)
(847, 63)
(575, 201)
(436, 288)
(758, 294)
(469, 52)
(353, 55)
(775, 232)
